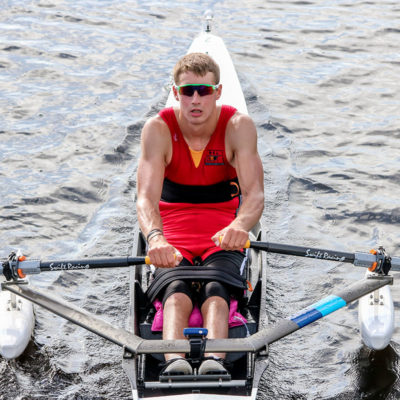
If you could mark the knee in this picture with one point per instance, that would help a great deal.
(214, 301)
(178, 300)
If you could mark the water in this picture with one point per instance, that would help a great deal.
(77, 82)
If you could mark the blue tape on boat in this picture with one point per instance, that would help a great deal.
(318, 310)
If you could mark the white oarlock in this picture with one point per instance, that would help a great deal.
(376, 317)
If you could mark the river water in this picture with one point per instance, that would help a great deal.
(77, 82)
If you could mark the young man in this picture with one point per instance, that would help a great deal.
(197, 162)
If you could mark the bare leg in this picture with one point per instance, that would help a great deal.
(177, 309)
(215, 313)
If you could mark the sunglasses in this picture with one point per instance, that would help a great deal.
(202, 90)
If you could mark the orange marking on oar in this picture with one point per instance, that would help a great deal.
(372, 268)
(19, 270)
(20, 273)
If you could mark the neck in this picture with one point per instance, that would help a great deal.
(198, 135)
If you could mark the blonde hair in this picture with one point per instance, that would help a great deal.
(198, 63)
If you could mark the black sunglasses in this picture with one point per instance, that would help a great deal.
(202, 90)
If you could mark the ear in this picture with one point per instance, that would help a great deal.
(175, 93)
(219, 91)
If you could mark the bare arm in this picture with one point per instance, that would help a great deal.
(155, 147)
(241, 149)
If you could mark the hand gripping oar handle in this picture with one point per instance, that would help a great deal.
(18, 267)
(376, 260)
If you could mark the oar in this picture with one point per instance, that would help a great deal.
(375, 260)
(18, 267)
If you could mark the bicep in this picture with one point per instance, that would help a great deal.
(151, 166)
(150, 175)
(250, 173)
(246, 159)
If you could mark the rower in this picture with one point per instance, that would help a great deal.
(199, 162)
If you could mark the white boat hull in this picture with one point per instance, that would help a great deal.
(16, 324)
(376, 317)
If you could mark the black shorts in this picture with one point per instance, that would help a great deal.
(199, 292)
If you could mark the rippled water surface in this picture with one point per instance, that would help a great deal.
(77, 82)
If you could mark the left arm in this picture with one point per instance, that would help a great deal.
(242, 153)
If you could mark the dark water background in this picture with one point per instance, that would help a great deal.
(78, 80)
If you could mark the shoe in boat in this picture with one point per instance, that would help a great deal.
(212, 366)
(177, 366)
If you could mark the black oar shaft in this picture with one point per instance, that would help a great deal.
(21, 268)
(301, 251)
(359, 259)
(87, 263)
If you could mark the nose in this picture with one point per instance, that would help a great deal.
(195, 97)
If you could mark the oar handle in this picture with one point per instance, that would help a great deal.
(246, 246)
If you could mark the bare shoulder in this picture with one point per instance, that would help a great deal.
(241, 129)
(156, 139)
(239, 118)
(155, 126)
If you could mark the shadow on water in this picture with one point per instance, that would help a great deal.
(376, 373)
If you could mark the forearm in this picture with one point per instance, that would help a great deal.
(236, 234)
(250, 211)
(148, 215)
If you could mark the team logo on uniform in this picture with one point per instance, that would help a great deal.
(214, 157)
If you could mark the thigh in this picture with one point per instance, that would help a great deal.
(177, 286)
(213, 288)
(231, 259)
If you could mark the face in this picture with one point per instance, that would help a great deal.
(197, 109)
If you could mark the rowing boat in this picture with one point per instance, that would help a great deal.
(247, 368)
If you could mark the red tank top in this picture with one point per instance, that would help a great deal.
(213, 167)
(189, 226)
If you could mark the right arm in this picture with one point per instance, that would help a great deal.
(156, 149)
